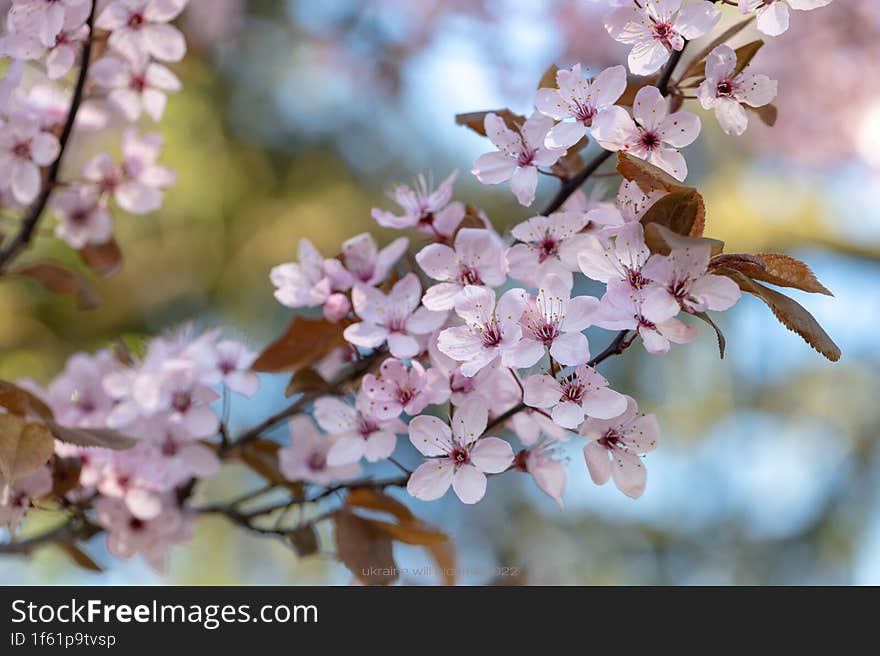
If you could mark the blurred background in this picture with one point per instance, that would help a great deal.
(296, 118)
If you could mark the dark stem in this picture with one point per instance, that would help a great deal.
(32, 218)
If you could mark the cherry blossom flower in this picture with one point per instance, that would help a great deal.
(772, 15)
(21, 495)
(532, 426)
(648, 311)
(547, 244)
(140, 27)
(36, 23)
(138, 183)
(424, 208)
(306, 457)
(459, 456)
(683, 276)
(548, 473)
(726, 93)
(128, 535)
(580, 99)
(10, 81)
(477, 259)
(77, 396)
(490, 330)
(135, 85)
(303, 283)
(655, 28)
(400, 389)
(363, 262)
(357, 432)
(493, 383)
(554, 321)
(83, 219)
(24, 148)
(619, 259)
(584, 393)
(655, 135)
(392, 318)
(616, 446)
(519, 155)
(229, 361)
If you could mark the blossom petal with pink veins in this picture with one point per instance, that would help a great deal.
(649, 108)
(719, 293)
(598, 463)
(474, 364)
(469, 484)
(731, 116)
(550, 476)
(493, 168)
(720, 64)
(647, 57)
(425, 320)
(551, 103)
(653, 341)
(366, 334)
(697, 19)
(568, 414)
(595, 262)
(579, 313)
(658, 305)
(807, 5)
(164, 11)
(627, 24)
(406, 294)
(492, 455)
(511, 305)
(387, 258)
(481, 250)
(773, 19)
(431, 480)
(138, 198)
(570, 349)
(441, 296)
(564, 135)
(25, 181)
(164, 42)
(458, 343)
(756, 90)
(334, 416)
(44, 148)
(370, 304)
(523, 354)
(439, 261)
(671, 161)
(403, 346)
(629, 474)
(541, 391)
(246, 383)
(535, 128)
(475, 305)
(604, 403)
(430, 436)
(448, 219)
(523, 264)
(677, 331)
(501, 136)
(680, 129)
(347, 449)
(643, 434)
(609, 85)
(380, 446)
(523, 184)
(201, 422)
(613, 128)
(143, 504)
(469, 422)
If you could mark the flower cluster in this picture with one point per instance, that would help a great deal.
(51, 39)
(163, 401)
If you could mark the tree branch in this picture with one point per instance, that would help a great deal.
(29, 223)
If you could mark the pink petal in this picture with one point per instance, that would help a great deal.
(431, 480)
(469, 484)
(491, 455)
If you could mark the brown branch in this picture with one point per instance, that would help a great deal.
(74, 528)
(32, 219)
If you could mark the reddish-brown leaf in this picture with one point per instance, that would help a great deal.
(304, 343)
(306, 381)
(767, 113)
(24, 448)
(722, 342)
(65, 475)
(745, 54)
(103, 259)
(103, 438)
(476, 120)
(778, 269)
(80, 557)
(633, 84)
(791, 314)
(364, 548)
(548, 79)
(304, 540)
(20, 402)
(682, 211)
(61, 280)
(370, 499)
(647, 176)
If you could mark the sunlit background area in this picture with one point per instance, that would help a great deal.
(295, 119)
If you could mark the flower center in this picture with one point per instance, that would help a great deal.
(366, 428)
(181, 401)
(573, 391)
(22, 150)
(136, 525)
(136, 21)
(469, 276)
(317, 462)
(584, 112)
(636, 279)
(611, 439)
(650, 140)
(460, 456)
(490, 334)
(662, 30)
(547, 247)
(725, 88)
(138, 83)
